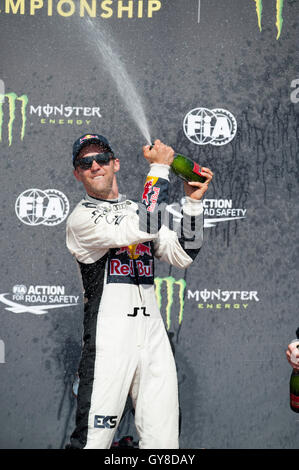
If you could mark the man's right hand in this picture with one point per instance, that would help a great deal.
(158, 153)
(292, 354)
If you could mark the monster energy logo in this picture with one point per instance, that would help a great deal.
(12, 98)
(279, 19)
(170, 282)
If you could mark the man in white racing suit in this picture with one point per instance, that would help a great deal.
(125, 345)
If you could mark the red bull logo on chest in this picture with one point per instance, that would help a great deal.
(135, 251)
(132, 264)
(117, 268)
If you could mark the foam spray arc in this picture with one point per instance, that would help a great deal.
(117, 70)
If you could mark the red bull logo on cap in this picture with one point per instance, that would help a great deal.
(134, 251)
(87, 137)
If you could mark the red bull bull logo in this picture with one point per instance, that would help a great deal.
(148, 187)
(134, 251)
(88, 136)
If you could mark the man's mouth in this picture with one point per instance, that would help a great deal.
(98, 177)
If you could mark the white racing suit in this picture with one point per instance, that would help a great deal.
(126, 349)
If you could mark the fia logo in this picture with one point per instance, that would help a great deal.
(36, 207)
(210, 126)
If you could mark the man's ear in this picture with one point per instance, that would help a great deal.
(116, 165)
(77, 174)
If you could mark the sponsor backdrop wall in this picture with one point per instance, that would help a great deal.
(217, 80)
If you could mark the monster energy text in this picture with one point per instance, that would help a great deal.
(65, 111)
(65, 114)
(223, 299)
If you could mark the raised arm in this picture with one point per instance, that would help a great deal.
(180, 240)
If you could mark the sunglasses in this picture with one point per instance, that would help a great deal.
(101, 158)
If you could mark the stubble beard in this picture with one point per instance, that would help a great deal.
(104, 192)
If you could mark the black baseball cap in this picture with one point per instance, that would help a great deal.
(88, 139)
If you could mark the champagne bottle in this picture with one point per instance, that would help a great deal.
(186, 168)
(294, 386)
(294, 390)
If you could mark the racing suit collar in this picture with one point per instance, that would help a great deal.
(93, 199)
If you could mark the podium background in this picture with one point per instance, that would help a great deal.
(233, 375)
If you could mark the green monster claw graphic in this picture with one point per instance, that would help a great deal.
(12, 97)
(259, 9)
(279, 19)
(170, 281)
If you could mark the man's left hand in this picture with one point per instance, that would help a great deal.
(292, 354)
(196, 190)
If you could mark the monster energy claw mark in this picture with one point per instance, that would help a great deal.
(12, 97)
(259, 10)
(170, 281)
(279, 19)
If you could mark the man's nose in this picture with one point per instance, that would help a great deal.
(95, 166)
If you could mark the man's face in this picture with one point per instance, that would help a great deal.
(98, 180)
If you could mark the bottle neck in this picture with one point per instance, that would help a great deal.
(296, 371)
